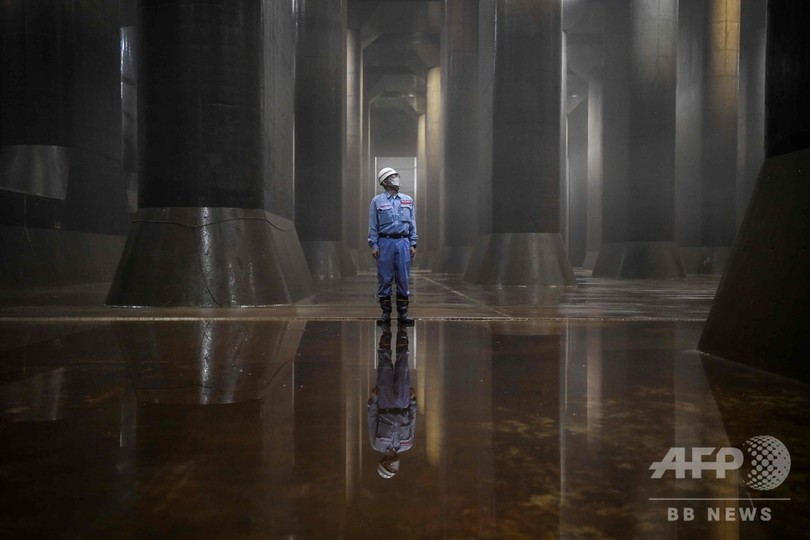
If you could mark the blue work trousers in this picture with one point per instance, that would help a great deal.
(394, 263)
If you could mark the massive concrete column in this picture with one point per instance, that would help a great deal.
(320, 145)
(459, 66)
(639, 122)
(690, 116)
(717, 169)
(355, 220)
(593, 238)
(720, 157)
(760, 314)
(431, 235)
(751, 100)
(201, 236)
(279, 100)
(421, 177)
(525, 247)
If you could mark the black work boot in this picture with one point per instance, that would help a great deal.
(385, 304)
(385, 339)
(402, 340)
(402, 310)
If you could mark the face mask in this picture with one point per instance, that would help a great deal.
(394, 182)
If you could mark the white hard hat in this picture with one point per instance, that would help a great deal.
(385, 173)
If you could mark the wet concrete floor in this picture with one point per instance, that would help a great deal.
(538, 415)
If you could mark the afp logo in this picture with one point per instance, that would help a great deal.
(764, 459)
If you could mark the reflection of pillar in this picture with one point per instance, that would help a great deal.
(201, 236)
(355, 358)
(38, 398)
(432, 232)
(467, 461)
(211, 362)
(594, 375)
(459, 74)
(698, 423)
(319, 426)
(434, 396)
(215, 400)
(639, 127)
(525, 247)
(319, 136)
(526, 377)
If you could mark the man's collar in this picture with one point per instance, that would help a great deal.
(389, 196)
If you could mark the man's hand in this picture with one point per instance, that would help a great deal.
(375, 253)
(413, 252)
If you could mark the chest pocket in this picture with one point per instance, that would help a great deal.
(406, 213)
(385, 214)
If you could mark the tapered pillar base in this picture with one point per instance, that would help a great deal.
(759, 316)
(528, 259)
(452, 259)
(476, 264)
(209, 257)
(705, 260)
(590, 260)
(425, 260)
(328, 259)
(639, 260)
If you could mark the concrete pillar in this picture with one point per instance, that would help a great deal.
(486, 62)
(689, 131)
(759, 316)
(368, 175)
(421, 182)
(639, 115)
(593, 238)
(577, 161)
(525, 247)
(201, 236)
(431, 234)
(279, 98)
(720, 163)
(751, 101)
(320, 98)
(718, 144)
(355, 216)
(459, 66)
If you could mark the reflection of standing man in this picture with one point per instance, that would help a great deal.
(392, 238)
(392, 405)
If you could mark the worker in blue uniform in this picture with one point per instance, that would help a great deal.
(392, 239)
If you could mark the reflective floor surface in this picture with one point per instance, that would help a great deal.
(539, 415)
